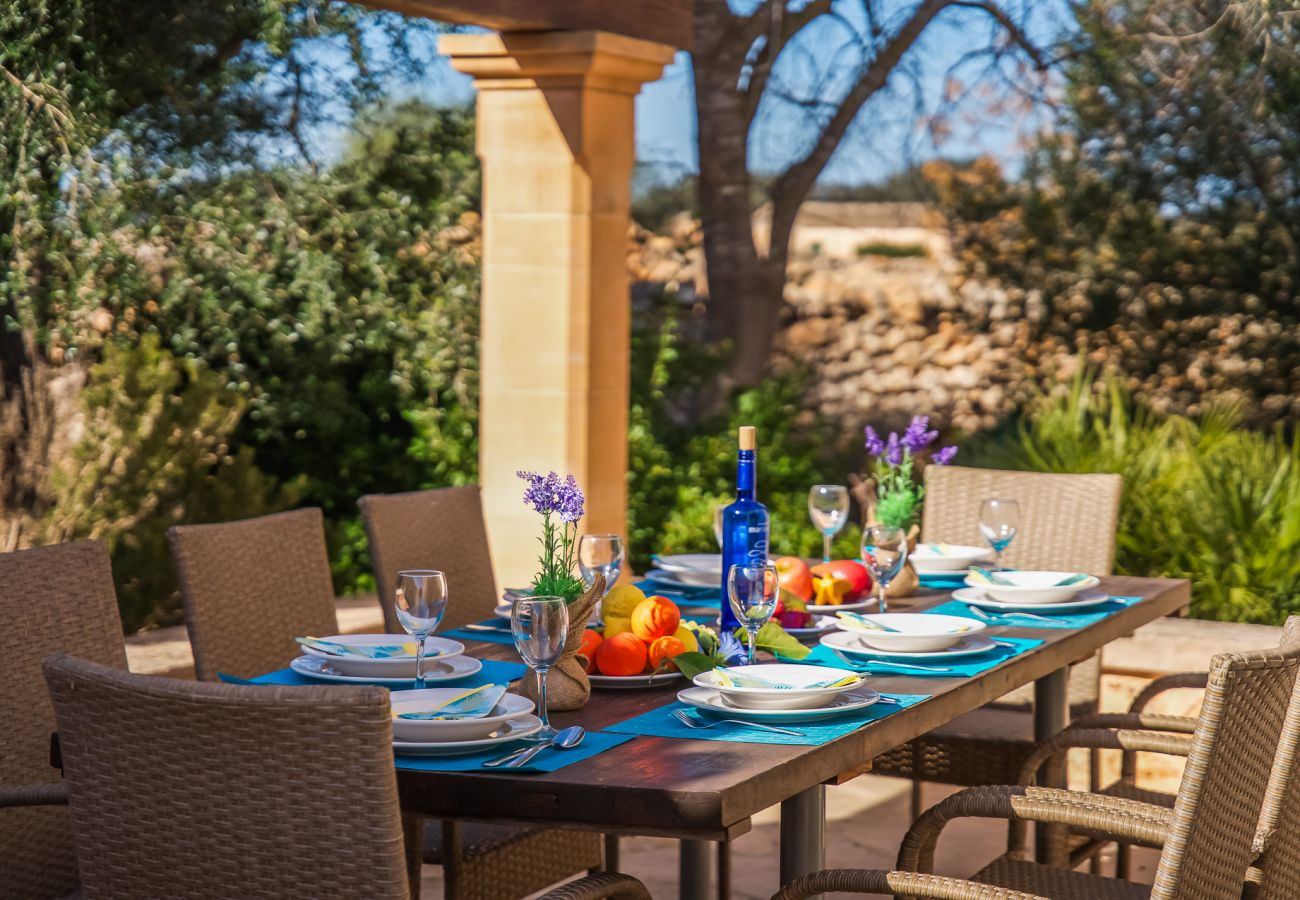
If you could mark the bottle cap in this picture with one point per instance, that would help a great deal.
(747, 441)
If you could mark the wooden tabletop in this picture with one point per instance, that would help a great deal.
(703, 789)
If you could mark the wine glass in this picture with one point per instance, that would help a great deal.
(717, 523)
(884, 551)
(420, 602)
(828, 507)
(540, 626)
(753, 592)
(999, 519)
(601, 553)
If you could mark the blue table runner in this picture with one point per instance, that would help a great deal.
(1059, 620)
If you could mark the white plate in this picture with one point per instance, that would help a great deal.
(958, 558)
(976, 597)
(797, 696)
(510, 706)
(502, 610)
(632, 682)
(436, 670)
(847, 642)
(511, 730)
(915, 632)
(820, 625)
(711, 701)
(859, 606)
(691, 568)
(1034, 588)
(683, 579)
(392, 667)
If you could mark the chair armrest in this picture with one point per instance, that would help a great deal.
(910, 884)
(50, 793)
(599, 885)
(1112, 818)
(1102, 739)
(1168, 683)
(1136, 720)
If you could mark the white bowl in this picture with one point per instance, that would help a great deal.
(799, 696)
(954, 558)
(693, 568)
(393, 667)
(1033, 587)
(915, 632)
(431, 730)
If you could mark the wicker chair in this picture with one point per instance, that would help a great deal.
(52, 599)
(251, 587)
(444, 529)
(232, 770)
(441, 529)
(1067, 522)
(1239, 773)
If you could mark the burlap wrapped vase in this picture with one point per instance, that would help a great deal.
(907, 583)
(567, 685)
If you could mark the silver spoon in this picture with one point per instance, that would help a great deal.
(564, 739)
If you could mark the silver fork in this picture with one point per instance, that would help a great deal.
(981, 614)
(690, 722)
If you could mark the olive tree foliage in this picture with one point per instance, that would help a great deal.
(814, 70)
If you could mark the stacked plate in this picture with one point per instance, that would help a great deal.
(387, 659)
(689, 569)
(455, 721)
(902, 636)
(1044, 591)
(779, 692)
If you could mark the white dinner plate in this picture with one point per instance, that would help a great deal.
(692, 568)
(711, 701)
(690, 581)
(502, 610)
(820, 625)
(911, 632)
(1034, 588)
(859, 606)
(510, 706)
(847, 642)
(794, 685)
(976, 597)
(958, 558)
(511, 730)
(439, 648)
(632, 682)
(320, 669)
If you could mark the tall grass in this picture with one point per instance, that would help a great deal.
(1204, 499)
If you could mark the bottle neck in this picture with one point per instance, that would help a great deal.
(746, 475)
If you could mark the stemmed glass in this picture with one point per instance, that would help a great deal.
(420, 603)
(828, 507)
(884, 551)
(600, 553)
(999, 519)
(753, 592)
(540, 626)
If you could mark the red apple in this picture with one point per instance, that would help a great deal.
(795, 576)
(855, 573)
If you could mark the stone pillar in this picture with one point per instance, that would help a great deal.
(555, 135)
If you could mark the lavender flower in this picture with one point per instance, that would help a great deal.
(893, 450)
(875, 446)
(916, 438)
(944, 455)
(548, 494)
(569, 500)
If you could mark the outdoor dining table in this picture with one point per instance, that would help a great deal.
(700, 790)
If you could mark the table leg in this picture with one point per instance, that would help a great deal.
(693, 870)
(803, 833)
(1051, 714)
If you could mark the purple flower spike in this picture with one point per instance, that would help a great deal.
(916, 438)
(875, 446)
(893, 450)
(569, 500)
(548, 494)
(944, 455)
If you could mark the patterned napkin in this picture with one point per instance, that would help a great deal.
(363, 651)
(728, 677)
(473, 704)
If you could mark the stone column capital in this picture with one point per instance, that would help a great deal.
(528, 60)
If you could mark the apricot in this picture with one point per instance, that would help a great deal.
(655, 617)
(664, 649)
(622, 654)
(591, 641)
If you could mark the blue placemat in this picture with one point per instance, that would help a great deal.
(494, 671)
(682, 594)
(1058, 620)
(963, 666)
(548, 760)
(499, 634)
(661, 723)
(945, 581)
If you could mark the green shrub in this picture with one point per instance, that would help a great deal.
(893, 251)
(1204, 499)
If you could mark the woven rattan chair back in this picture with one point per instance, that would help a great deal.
(439, 529)
(1067, 522)
(187, 789)
(52, 600)
(1278, 839)
(1248, 700)
(251, 587)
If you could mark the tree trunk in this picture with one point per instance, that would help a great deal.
(745, 287)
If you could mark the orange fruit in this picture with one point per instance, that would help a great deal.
(655, 617)
(591, 641)
(664, 648)
(622, 654)
(616, 625)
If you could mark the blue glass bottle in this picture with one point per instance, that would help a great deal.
(744, 523)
